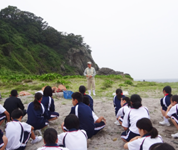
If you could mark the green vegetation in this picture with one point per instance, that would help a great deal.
(28, 45)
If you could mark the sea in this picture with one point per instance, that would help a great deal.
(158, 80)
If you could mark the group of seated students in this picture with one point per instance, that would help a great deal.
(135, 119)
(82, 123)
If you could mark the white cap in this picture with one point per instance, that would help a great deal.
(89, 62)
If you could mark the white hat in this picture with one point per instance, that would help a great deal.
(89, 62)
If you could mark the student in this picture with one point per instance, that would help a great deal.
(36, 113)
(99, 122)
(131, 117)
(13, 103)
(172, 112)
(4, 114)
(117, 102)
(148, 136)
(84, 113)
(82, 90)
(48, 103)
(165, 102)
(3, 141)
(50, 140)
(73, 139)
(18, 133)
(125, 106)
(161, 146)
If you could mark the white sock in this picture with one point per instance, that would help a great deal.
(89, 91)
(165, 119)
(93, 91)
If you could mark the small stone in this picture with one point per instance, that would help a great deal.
(114, 139)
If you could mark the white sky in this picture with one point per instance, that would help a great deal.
(138, 37)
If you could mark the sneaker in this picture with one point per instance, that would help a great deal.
(164, 123)
(174, 135)
(117, 123)
(94, 94)
(37, 139)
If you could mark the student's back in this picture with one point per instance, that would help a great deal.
(84, 113)
(91, 101)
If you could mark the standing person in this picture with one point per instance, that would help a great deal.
(13, 103)
(165, 102)
(90, 73)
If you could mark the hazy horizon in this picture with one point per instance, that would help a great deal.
(136, 37)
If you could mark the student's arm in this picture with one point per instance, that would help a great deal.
(133, 143)
(125, 123)
(20, 104)
(60, 138)
(170, 111)
(7, 115)
(100, 119)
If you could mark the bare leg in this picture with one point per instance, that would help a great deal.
(175, 123)
(124, 140)
(32, 135)
(1, 121)
(163, 112)
(5, 140)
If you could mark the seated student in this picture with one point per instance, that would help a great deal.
(48, 104)
(4, 114)
(131, 117)
(161, 146)
(13, 103)
(36, 113)
(18, 133)
(50, 140)
(125, 106)
(148, 136)
(82, 90)
(73, 139)
(172, 112)
(3, 141)
(117, 102)
(84, 113)
(165, 102)
(99, 122)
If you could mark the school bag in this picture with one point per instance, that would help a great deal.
(67, 94)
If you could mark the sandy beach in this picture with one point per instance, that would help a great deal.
(109, 137)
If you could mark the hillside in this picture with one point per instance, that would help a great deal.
(28, 45)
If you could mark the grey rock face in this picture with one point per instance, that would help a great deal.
(108, 71)
(78, 59)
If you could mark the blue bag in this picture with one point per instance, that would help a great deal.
(67, 94)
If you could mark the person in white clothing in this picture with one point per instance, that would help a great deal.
(125, 106)
(172, 112)
(148, 136)
(90, 74)
(4, 114)
(131, 117)
(18, 133)
(73, 139)
(51, 140)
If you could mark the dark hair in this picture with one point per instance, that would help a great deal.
(82, 89)
(174, 98)
(161, 146)
(16, 114)
(136, 101)
(47, 91)
(168, 90)
(146, 124)
(36, 102)
(77, 96)
(14, 93)
(86, 100)
(50, 136)
(127, 99)
(119, 93)
(71, 121)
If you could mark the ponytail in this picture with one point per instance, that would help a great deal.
(119, 93)
(136, 101)
(168, 90)
(36, 102)
(146, 125)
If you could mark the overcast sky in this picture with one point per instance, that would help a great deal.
(134, 36)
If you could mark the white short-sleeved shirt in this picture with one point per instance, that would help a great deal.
(95, 117)
(122, 111)
(173, 110)
(13, 133)
(73, 140)
(52, 148)
(2, 109)
(132, 116)
(144, 143)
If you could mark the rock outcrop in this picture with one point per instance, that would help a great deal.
(108, 71)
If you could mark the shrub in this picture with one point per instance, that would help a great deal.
(128, 82)
(107, 83)
(129, 77)
(122, 84)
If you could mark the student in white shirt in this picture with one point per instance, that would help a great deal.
(148, 136)
(4, 114)
(50, 140)
(125, 106)
(161, 146)
(3, 141)
(18, 133)
(73, 139)
(172, 112)
(131, 117)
